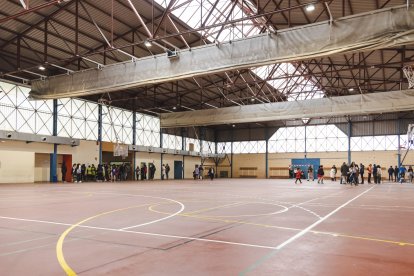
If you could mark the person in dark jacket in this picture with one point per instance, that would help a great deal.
(396, 170)
(361, 172)
(374, 173)
(64, 170)
(344, 173)
(83, 172)
(321, 174)
(391, 174)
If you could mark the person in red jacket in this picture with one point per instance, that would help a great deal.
(298, 176)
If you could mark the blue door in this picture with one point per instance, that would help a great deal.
(178, 169)
(304, 164)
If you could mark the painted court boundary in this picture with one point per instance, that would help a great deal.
(298, 235)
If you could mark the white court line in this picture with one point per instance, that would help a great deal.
(300, 234)
(141, 233)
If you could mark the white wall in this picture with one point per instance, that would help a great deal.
(16, 166)
(86, 153)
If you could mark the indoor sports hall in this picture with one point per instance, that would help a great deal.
(206, 137)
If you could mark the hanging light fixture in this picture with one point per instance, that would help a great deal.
(310, 7)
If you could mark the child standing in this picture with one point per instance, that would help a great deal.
(321, 173)
(298, 176)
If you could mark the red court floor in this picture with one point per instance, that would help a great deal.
(220, 227)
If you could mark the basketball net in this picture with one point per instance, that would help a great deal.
(409, 74)
(119, 149)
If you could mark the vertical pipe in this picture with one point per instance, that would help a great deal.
(349, 141)
(53, 169)
(100, 132)
(231, 160)
(162, 149)
(306, 145)
(399, 143)
(134, 142)
(267, 154)
(183, 142)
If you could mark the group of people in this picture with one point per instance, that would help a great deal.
(353, 174)
(299, 174)
(144, 171)
(399, 174)
(102, 172)
(198, 172)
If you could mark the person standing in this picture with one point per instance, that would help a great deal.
(167, 170)
(396, 171)
(142, 172)
(410, 174)
(196, 172)
(374, 173)
(93, 173)
(211, 173)
(79, 173)
(137, 172)
(100, 173)
(291, 172)
(379, 174)
(201, 172)
(369, 169)
(162, 172)
(361, 172)
(402, 173)
(63, 169)
(83, 172)
(74, 172)
(321, 174)
(310, 173)
(344, 173)
(298, 175)
(390, 174)
(332, 173)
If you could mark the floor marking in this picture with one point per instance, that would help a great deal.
(229, 221)
(158, 220)
(59, 246)
(214, 208)
(26, 241)
(191, 214)
(141, 233)
(300, 234)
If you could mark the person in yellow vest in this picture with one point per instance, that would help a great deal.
(93, 173)
(89, 173)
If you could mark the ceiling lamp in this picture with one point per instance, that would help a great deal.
(305, 120)
(351, 89)
(148, 43)
(42, 68)
(310, 8)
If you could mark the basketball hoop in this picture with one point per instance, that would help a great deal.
(409, 74)
(121, 150)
